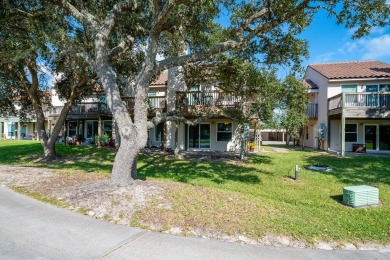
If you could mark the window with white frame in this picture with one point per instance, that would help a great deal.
(350, 132)
(224, 131)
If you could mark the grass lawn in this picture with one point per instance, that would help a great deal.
(253, 199)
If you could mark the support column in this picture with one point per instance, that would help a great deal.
(342, 134)
(100, 127)
(18, 133)
(342, 125)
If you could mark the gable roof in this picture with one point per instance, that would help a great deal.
(353, 69)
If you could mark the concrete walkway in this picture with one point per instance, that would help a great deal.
(30, 229)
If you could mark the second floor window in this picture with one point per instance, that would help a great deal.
(352, 88)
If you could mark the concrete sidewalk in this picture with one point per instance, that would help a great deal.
(30, 229)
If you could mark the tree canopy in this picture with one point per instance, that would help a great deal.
(123, 39)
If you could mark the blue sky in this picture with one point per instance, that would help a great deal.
(331, 43)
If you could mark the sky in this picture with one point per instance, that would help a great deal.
(329, 42)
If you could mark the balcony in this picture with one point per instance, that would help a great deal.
(188, 99)
(154, 102)
(360, 105)
(312, 110)
(89, 109)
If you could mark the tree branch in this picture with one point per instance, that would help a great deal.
(181, 60)
(109, 21)
(232, 44)
(82, 16)
(123, 46)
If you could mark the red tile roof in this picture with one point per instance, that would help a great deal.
(162, 79)
(353, 70)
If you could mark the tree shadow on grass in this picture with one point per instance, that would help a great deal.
(355, 170)
(185, 171)
(27, 153)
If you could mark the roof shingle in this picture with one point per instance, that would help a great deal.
(353, 70)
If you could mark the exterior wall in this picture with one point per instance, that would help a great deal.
(335, 135)
(311, 140)
(322, 98)
(55, 100)
(335, 130)
(232, 145)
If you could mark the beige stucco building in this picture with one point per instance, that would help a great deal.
(353, 100)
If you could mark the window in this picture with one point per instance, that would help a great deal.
(350, 99)
(72, 128)
(11, 129)
(350, 132)
(307, 132)
(224, 131)
(349, 88)
(107, 127)
(152, 94)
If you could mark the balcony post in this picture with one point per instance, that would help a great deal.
(342, 125)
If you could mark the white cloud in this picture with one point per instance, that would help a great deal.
(377, 48)
(368, 49)
(325, 57)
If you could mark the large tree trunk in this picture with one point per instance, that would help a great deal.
(133, 135)
(124, 170)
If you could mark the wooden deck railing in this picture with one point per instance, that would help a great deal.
(89, 108)
(363, 99)
(206, 98)
(154, 102)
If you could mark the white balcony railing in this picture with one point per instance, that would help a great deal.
(364, 99)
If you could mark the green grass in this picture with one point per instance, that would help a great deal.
(90, 159)
(254, 198)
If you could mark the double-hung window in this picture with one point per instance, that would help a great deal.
(350, 132)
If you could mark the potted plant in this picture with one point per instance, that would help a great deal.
(104, 139)
(252, 145)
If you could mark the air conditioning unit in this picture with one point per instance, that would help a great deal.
(361, 196)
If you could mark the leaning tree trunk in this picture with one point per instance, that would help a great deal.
(132, 132)
(124, 170)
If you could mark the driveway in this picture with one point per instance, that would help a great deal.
(30, 229)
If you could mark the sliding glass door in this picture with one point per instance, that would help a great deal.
(199, 136)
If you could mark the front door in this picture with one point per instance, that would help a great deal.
(384, 137)
(199, 136)
(370, 137)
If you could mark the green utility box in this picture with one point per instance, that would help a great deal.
(361, 196)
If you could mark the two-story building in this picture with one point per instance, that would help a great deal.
(167, 93)
(353, 106)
